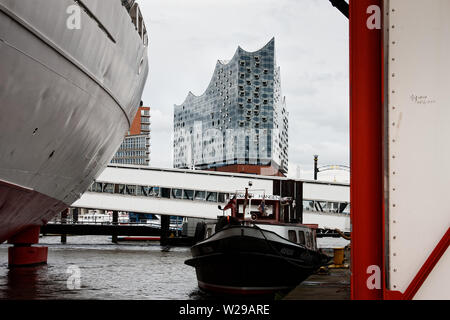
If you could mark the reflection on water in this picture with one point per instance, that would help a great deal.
(22, 283)
(106, 271)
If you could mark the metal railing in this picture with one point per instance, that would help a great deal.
(173, 226)
(136, 17)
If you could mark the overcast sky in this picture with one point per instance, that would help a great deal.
(187, 37)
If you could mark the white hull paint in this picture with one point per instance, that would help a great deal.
(67, 98)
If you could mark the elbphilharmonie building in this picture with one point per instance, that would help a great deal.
(240, 123)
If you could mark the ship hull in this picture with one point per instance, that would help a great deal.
(250, 261)
(22, 207)
(247, 273)
(67, 98)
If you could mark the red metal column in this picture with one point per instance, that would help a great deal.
(23, 254)
(366, 149)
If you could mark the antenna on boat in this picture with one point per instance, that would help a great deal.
(245, 201)
(223, 210)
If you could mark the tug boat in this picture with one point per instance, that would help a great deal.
(256, 252)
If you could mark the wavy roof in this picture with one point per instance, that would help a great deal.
(223, 63)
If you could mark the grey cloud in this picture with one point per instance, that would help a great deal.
(187, 38)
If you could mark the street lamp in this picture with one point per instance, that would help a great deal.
(316, 169)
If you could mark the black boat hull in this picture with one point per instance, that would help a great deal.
(244, 260)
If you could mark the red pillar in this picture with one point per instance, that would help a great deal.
(366, 148)
(23, 254)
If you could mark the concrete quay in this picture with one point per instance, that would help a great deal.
(330, 283)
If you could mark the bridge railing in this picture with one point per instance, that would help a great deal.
(173, 226)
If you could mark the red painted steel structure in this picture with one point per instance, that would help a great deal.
(366, 132)
(428, 266)
(22, 254)
(367, 140)
(423, 273)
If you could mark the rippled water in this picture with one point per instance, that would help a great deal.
(126, 271)
(107, 271)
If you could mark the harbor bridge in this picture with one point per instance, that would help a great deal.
(197, 194)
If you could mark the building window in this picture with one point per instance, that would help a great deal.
(188, 194)
(176, 193)
(120, 189)
(211, 196)
(108, 188)
(200, 195)
(153, 191)
(165, 193)
(142, 191)
(131, 190)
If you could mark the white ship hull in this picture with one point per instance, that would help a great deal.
(67, 98)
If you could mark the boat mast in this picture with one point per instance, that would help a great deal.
(245, 201)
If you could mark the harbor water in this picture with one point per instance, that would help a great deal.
(91, 267)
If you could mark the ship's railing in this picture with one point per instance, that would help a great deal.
(128, 4)
(137, 19)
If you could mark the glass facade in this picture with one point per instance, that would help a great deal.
(317, 206)
(135, 150)
(240, 119)
(160, 192)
